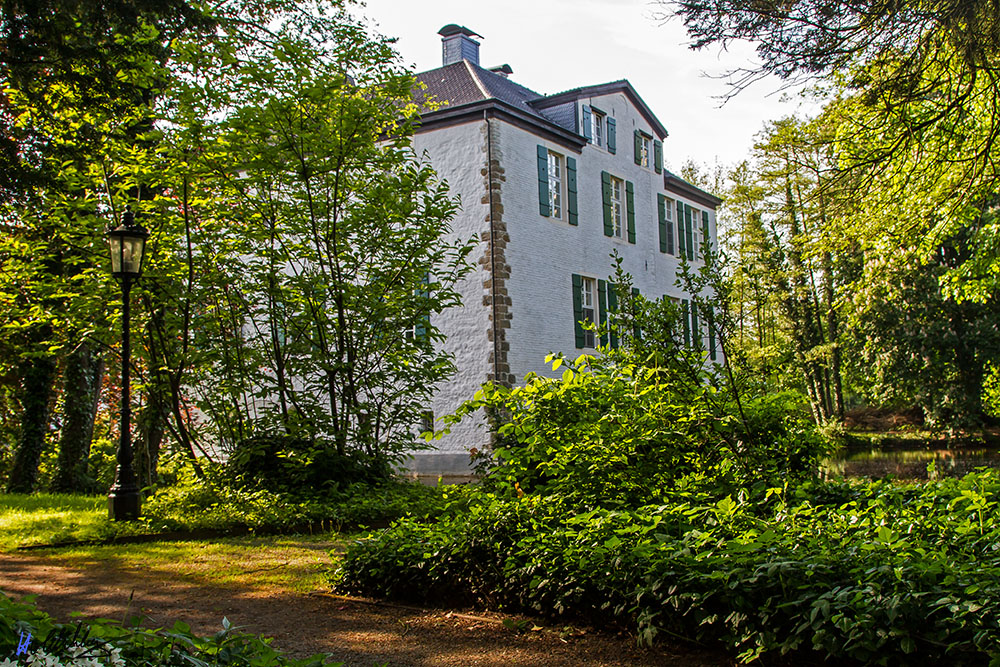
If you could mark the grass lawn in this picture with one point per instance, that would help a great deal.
(45, 518)
(294, 564)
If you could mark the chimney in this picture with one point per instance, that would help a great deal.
(503, 70)
(457, 45)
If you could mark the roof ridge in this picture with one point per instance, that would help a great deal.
(475, 77)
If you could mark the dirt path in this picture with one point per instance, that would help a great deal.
(355, 632)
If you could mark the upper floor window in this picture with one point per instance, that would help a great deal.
(643, 149)
(696, 233)
(597, 127)
(557, 196)
(555, 171)
(617, 209)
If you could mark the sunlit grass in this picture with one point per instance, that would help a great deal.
(276, 564)
(46, 518)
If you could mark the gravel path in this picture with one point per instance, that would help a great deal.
(355, 631)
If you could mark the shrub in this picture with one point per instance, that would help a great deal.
(300, 467)
(611, 433)
(215, 505)
(874, 572)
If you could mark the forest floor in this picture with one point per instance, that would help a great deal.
(260, 585)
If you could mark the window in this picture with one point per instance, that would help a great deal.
(696, 233)
(557, 197)
(643, 149)
(588, 294)
(555, 184)
(617, 213)
(597, 127)
(665, 213)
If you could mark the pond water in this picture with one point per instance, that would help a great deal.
(910, 464)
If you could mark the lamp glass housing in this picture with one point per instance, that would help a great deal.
(128, 245)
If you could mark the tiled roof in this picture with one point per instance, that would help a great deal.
(464, 83)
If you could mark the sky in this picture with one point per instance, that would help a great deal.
(555, 45)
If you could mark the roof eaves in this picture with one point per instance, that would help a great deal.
(622, 86)
(678, 185)
(463, 113)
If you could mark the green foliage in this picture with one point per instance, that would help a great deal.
(111, 643)
(991, 391)
(611, 432)
(218, 506)
(301, 467)
(875, 572)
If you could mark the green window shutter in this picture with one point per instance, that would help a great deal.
(704, 229)
(696, 340)
(612, 141)
(613, 308)
(587, 131)
(661, 212)
(602, 308)
(609, 226)
(636, 330)
(711, 333)
(571, 190)
(543, 181)
(630, 210)
(686, 317)
(681, 248)
(658, 156)
(688, 232)
(578, 310)
(637, 141)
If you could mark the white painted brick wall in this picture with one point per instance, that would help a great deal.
(543, 253)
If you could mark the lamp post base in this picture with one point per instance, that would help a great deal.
(123, 505)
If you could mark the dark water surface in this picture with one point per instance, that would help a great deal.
(910, 464)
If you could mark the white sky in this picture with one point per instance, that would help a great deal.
(555, 45)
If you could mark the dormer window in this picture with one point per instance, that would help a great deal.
(597, 127)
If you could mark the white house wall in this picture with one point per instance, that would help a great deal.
(458, 154)
(537, 255)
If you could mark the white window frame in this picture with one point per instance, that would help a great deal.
(557, 171)
(671, 205)
(646, 154)
(617, 206)
(597, 127)
(588, 297)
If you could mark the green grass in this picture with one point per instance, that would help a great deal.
(45, 518)
(296, 564)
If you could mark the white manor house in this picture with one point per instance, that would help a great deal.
(550, 185)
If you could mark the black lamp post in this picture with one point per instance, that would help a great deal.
(128, 244)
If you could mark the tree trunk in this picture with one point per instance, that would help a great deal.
(81, 394)
(151, 423)
(38, 374)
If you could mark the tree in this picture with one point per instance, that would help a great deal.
(79, 77)
(329, 245)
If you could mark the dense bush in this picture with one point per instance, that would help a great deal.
(301, 467)
(876, 572)
(31, 637)
(610, 433)
(216, 505)
(623, 493)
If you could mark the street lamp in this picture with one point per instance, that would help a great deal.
(128, 244)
